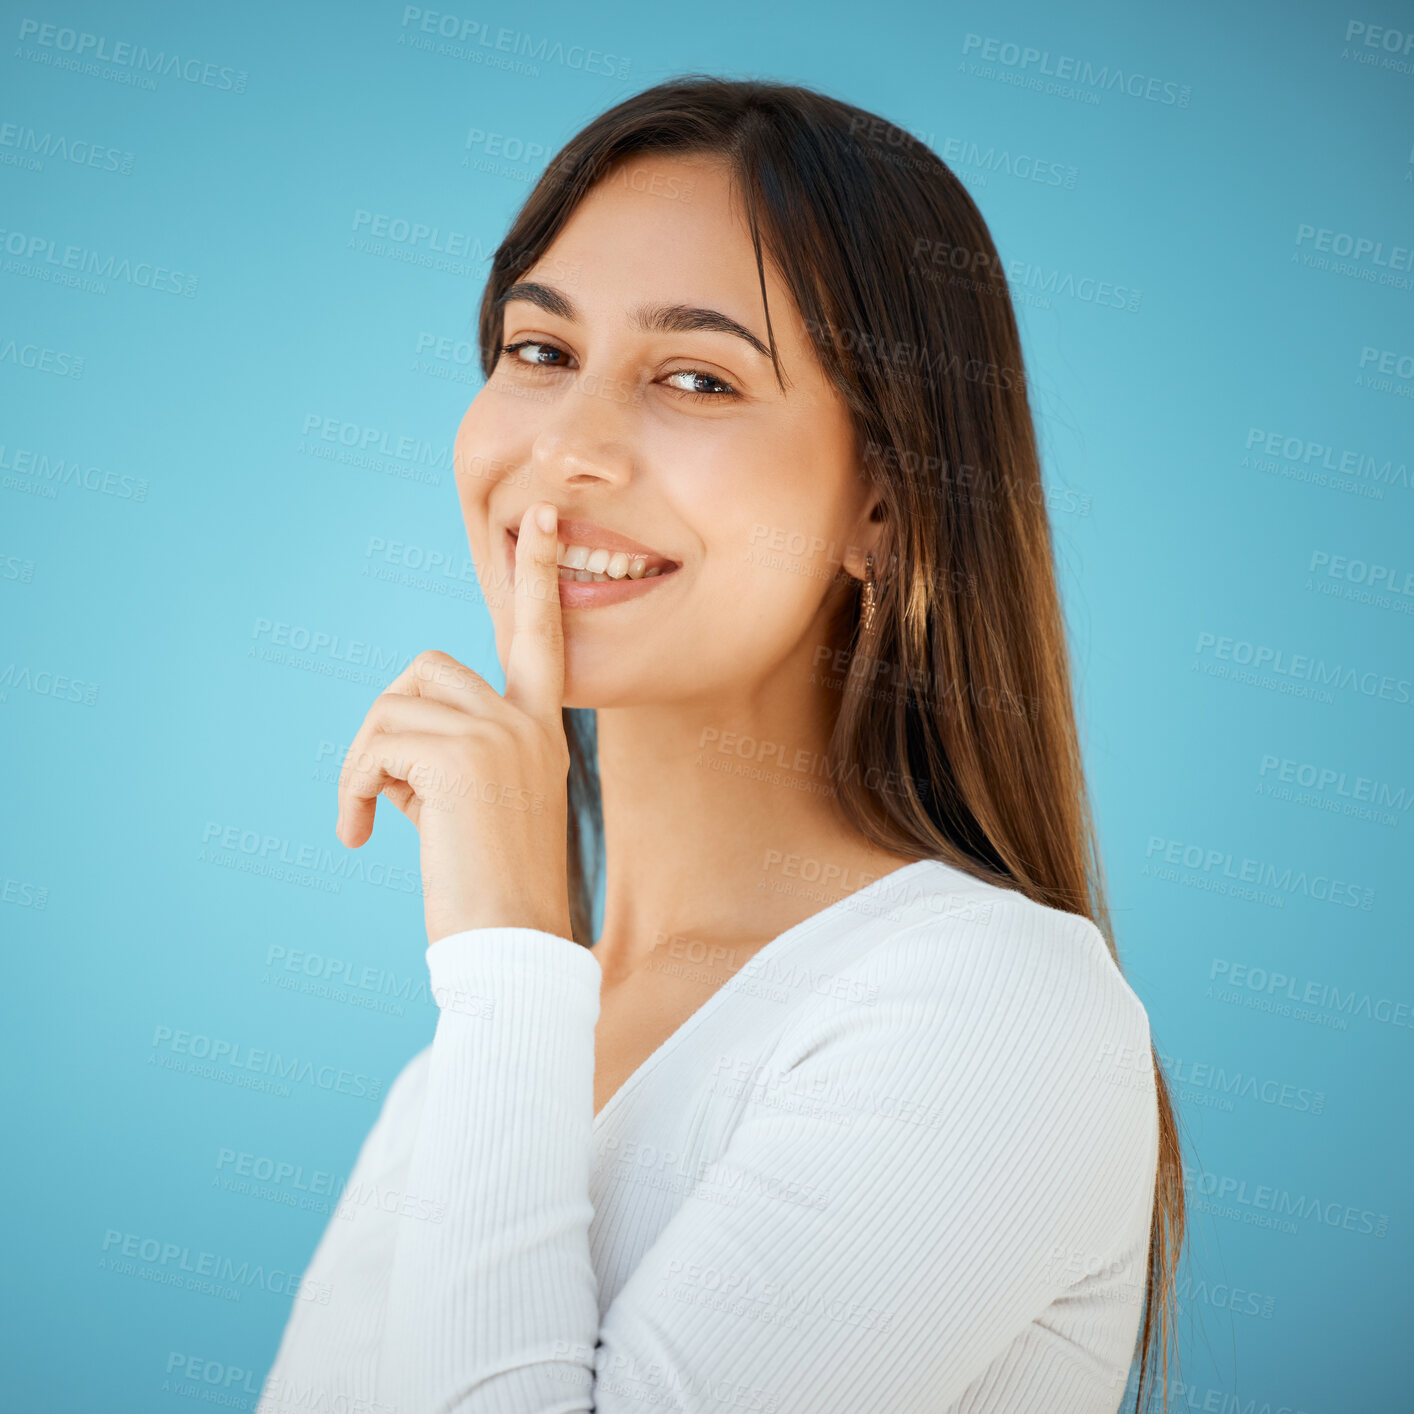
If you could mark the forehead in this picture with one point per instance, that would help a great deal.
(666, 229)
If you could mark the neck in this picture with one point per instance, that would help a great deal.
(720, 825)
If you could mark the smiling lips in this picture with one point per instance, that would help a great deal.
(591, 556)
(592, 553)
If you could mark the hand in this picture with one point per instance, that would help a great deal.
(483, 777)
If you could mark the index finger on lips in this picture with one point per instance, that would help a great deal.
(535, 671)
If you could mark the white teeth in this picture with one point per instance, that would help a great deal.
(584, 576)
(589, 577)
(586, 564)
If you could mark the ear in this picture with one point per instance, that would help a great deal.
(866, 537)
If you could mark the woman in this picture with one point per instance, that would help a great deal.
(849, 1106)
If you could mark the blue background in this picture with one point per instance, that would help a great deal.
(172, 490)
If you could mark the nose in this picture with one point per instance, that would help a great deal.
(586, 439)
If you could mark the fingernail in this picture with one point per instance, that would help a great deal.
(546, 517)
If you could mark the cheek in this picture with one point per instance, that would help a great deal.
(482, 456)
(762, 500)
(724, 481)
(480, 462)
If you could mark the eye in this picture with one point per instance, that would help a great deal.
(531, 344)
(726, 392)
(729, 392)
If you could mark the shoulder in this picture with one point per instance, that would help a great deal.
(984, 1001)
(963, 937)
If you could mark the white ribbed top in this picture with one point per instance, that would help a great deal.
(902, 1161)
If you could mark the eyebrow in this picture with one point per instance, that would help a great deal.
(651, 318)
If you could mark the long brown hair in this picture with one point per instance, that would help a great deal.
(903, 295)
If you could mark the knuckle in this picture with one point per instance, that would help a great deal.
(430, 664)
(497, 735)
(459, 675)
(360, 764)
(469, 746)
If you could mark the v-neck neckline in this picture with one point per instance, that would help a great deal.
(776, 945)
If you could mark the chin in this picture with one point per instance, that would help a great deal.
(605, 686)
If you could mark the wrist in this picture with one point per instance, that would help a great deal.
(558, 925)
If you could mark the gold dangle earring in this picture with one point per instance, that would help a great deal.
(869, 593)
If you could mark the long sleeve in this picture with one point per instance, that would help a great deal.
(496, 1307)
(329, 1350)
(958, 1171)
